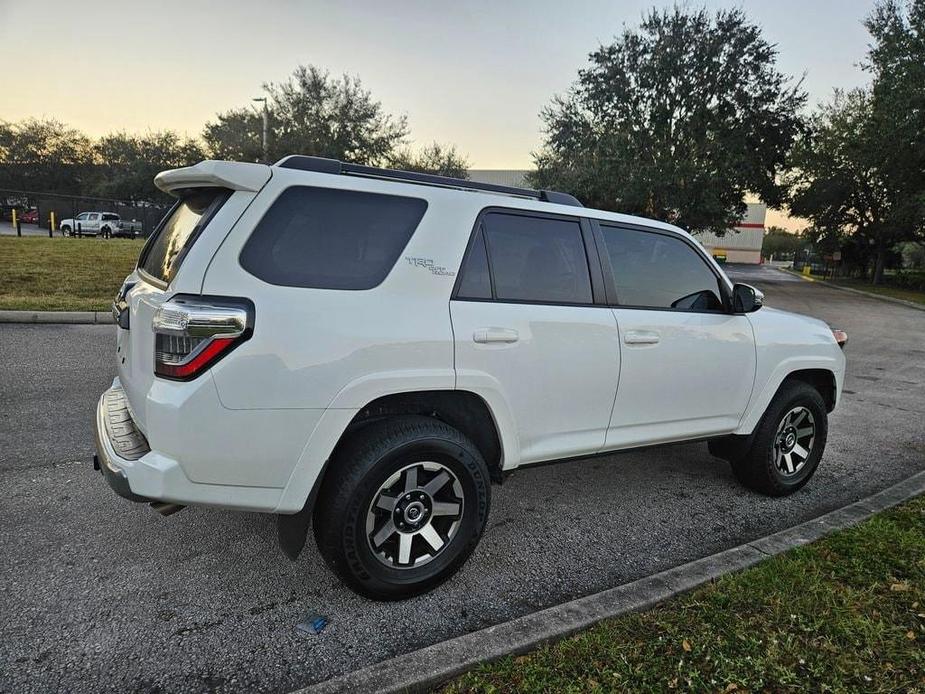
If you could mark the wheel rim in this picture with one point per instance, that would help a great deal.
(414, 515)
(793, 443)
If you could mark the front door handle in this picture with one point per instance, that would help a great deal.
(641, 337)
(484, 335)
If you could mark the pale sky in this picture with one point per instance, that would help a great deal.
(474, 74)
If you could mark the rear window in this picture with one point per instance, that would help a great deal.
(325, 238)
(164, 252)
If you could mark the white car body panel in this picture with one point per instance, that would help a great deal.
(559, 377)
(684, 376)
(256, 430)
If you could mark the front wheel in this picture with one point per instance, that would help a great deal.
(788, 442)
(402, 506)
(65, 231)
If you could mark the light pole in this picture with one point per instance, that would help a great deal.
(266, 117)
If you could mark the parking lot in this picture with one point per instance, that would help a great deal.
(98, 594)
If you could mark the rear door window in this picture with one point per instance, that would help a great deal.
(537, 259)
(178, 231)
(328, 238)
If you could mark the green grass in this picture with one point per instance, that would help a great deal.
(884, 289)
(63, 274)
(866, 286)
(846, 613)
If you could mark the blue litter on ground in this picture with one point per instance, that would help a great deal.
(313, 624)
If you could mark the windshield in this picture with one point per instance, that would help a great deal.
(163, 254)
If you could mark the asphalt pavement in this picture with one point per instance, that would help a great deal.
(99, 594)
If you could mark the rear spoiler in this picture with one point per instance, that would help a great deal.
(210, 173)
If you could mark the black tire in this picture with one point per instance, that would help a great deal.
(762, 467)
(65, 230)
(348, 500)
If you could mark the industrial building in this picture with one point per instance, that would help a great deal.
(742, 244)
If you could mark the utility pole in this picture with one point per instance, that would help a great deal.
(266, 118)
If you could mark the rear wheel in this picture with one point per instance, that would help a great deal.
(402, 507)
(788, 442)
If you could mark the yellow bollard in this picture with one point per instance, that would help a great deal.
(806, 270)
(51, 223)
(18, 231)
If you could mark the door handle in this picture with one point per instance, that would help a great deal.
(641, 337)
(484, 335)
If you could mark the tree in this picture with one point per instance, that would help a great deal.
(44, 155)
(315, 114)
(780, 243)
(677, 121)
(434, 159)
(129, 163)
(859, 172)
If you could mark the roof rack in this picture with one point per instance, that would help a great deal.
(335, 166)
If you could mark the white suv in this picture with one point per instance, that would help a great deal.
(369, 349)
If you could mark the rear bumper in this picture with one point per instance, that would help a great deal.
(114, 428)
(138, 473)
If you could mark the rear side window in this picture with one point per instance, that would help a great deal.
(659, 271)
(110, 217)
(327, 238)
(538, 259)
(178, 231)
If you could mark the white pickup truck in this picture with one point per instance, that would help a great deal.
(99, 223)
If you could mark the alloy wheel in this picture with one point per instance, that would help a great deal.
(414, 515)
(793, 442)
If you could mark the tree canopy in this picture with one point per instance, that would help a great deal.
(859, 174)
(677, 120)
(315, 114)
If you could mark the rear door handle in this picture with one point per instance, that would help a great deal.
(483, 335)
(641, 337)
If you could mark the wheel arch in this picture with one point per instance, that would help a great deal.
(463, 410)
(823, 380)
(821, 376)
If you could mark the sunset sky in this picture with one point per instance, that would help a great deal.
(474, 74)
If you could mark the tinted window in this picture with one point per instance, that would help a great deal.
(474, 281)
(537, 259)
(331, 239)
(162, 256)
(659, 271)
(110, 217)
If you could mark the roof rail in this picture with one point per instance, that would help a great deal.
(334, 166)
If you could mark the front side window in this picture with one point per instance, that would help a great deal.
(327, 238)
(659, 271)
(537, 259)
(83, 215)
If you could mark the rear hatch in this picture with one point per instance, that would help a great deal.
(149, 286)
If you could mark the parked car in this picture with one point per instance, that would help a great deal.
(91, 224)
(370, 349)
(30, 216)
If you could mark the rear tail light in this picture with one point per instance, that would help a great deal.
(191, 333)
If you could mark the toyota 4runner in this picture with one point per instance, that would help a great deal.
(364, 351)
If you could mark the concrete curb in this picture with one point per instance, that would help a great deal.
(870, 295)
(66, 317)
(425, 668)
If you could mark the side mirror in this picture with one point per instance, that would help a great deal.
(745, 298)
